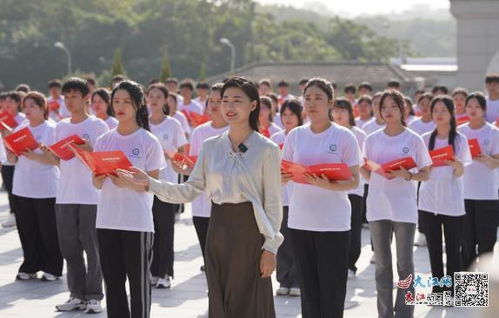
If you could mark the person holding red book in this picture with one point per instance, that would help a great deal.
(391, 203)
(172, 138)
(76, 203)
(320, 212)
(34, 189)
(125, 225)
(286, 273)
(343, 115)
(481, 199)
(441, 201)
(239, 170)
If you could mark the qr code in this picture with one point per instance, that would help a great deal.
(471, 289)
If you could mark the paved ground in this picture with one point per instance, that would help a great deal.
(188, 297)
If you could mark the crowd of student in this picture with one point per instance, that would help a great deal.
(249, 215)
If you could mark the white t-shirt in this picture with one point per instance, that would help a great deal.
(111, 122)
(372, 126)
(279, 138)
(201, 206)
(359, 122)
(394, 199)
(361, 137)
(183, 122)
(273, 129)
(21, 122)
(171, 136)
(75, 184)
(33, 179)
(443, 193)
(192, 107)
(201, 103)
(492, 113)
(421, 127)
(277, 120)
(126, 209)
(63, 111)
(480, 182)
(312, 208)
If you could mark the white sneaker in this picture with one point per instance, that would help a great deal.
(421, 241)
(49, 277)
(373, 259)
(26, 276)
(351, 274)
(93, 307)
(71, 304)
(10, 221)
(154, 280)
(164, 282)
(282, 291)
(294, 291)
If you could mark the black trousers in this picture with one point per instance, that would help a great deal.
(164, 229)
(201, 226)
(126, 254)
(421, 226)
(355, 230)
(364, 203)
(37, 230)
(322, 263)
(452, 229)
(8, 178)
(480, 229)
(286, 273)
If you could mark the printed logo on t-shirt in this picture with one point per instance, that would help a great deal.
(165, 136)
(486, 142)
(135, 151)
(332, 148)
(85, 136)
(405, 150)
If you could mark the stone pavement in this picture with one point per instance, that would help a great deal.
(188, 296)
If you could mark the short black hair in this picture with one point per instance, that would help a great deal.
(203, 85)
(265, 81)
(171, 80)
(118, 78)
(366, 85)
(187, 84)
(393, 83)
(153, 81)
(282, 83)
(492, 78)
(54, 83)
(23, 88)
(303, 81)
(76, 84)
(442, 88)
(17, 96)
(90, 80)
(350, 88)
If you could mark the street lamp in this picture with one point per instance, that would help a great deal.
(61, 46)
(232, 51)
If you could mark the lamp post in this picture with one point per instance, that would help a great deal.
(61, 46)
(233, 53)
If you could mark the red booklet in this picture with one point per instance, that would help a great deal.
(439, 156)
(7, 121)
(334, 171)
(406, 162)
(103, 163)
(474, 147)
(53, 105)
(20, 141)
(194, 118)
(462, 120)
(189, 161)
(60, 148)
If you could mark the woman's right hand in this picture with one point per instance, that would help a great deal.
(98, 181)
(135, 176)
(286, 177)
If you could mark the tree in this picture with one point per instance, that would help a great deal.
(165, 69)
(202, 72)
(117, 67)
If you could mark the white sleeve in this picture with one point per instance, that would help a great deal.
(196, 143)
(179, 136)
(289, 146)
(494, 149)
(351, 150)
(155, 159)
(423, 158)
(463, 150)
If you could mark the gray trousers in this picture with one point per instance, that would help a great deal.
(381, 234)
(77, 234)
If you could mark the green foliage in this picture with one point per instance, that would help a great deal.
(165, 69)
(117, 67)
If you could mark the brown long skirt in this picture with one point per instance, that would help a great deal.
(233, 251)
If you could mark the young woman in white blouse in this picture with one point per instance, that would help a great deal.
(319, 212)
(343, 115)
(101, 100)
(34, 190)
(441, 201)
(124, 213)
(480, 183)
(391, 204)
(287, 275)
(172, 138)
(240, 172)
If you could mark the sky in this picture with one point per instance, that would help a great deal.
(357, 7)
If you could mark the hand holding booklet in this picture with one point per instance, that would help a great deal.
(61, 150)
(7, 121)
(183, 160)
(439, 156)
(333, 171)
(103, 163)
(21, 141)
(406, 162)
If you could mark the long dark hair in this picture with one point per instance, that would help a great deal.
(137, 96)
(251, 90)
(398, 98)
(164, 90)
(449, 104)
(103, 93)
(343, 103)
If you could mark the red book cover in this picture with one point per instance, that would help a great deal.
(195, 119)
(20, 141)
(103, 163)
(281, 146)
(53, 105)
(406, 162)
(462, 120)
(7, 121)
(439, 156)
(474, 147)
(189, 161)
(334, 171)
(61, 150)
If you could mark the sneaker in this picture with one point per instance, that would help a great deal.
(421, 241)
(10, 221)
(373, 259)
(154, 280)
(47, 277)
(294, 291)
(71, 304)
(164, 282)
(282, 291)
(26, 276)
(93, 307)
(351, 274)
